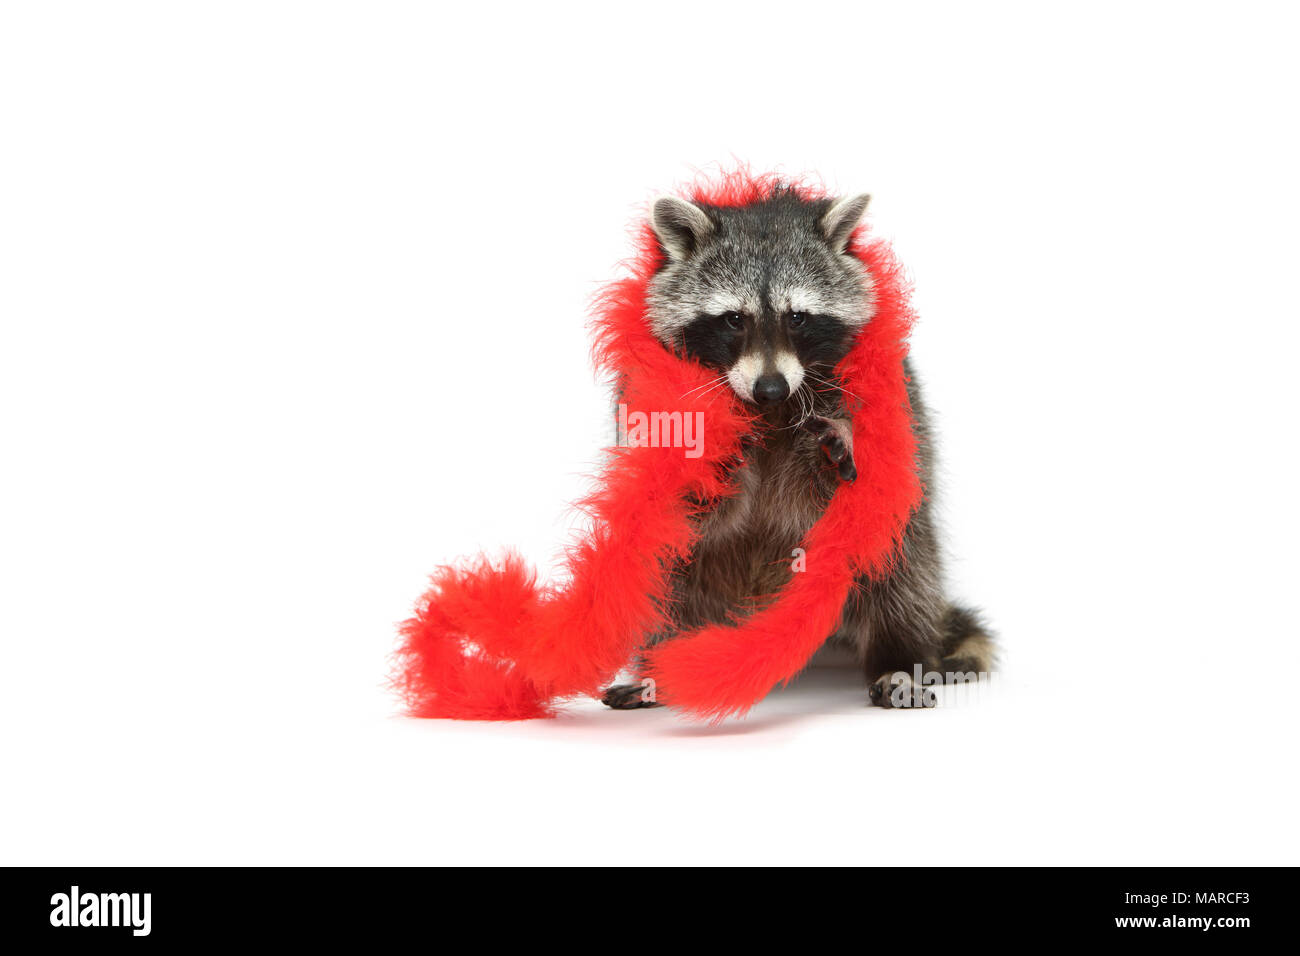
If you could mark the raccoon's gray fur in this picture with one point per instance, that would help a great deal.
(767, 295)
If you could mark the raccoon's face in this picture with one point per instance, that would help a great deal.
(766, 293)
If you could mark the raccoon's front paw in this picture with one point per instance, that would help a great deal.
(835, 436)
(629, 696)
(897, 691)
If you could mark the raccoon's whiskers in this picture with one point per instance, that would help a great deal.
(716, 386)
(709, 385)
(829, 384)
(812, 402)
(807, 406)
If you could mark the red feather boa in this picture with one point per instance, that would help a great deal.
(488, 642)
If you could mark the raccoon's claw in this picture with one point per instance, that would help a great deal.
(835, 436)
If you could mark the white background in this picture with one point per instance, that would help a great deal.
(293, 302)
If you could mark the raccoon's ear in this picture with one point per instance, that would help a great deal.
(681, 226)
(842, 218)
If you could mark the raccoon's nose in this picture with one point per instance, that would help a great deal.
(771, 388)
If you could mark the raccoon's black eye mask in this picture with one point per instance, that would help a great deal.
(718, 341)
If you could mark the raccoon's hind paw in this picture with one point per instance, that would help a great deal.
(897, 691)
(629, 696)
(835, 436)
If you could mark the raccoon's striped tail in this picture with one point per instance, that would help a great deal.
(968, 645)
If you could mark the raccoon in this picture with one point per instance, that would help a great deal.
(768, 296)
